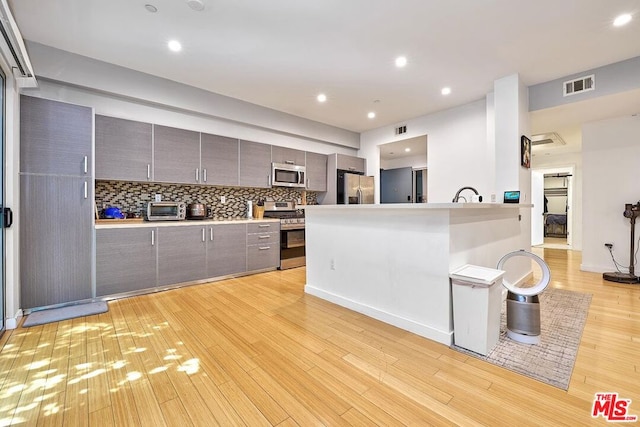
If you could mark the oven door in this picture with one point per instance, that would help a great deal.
(292, 250)
(292, 238)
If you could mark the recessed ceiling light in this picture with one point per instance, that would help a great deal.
(151, 8)
(322, 97)
(401, 61)
(621, 20)
(406, 150)
(371, 115)
(446, 90)
(197, 5)
(174, 46)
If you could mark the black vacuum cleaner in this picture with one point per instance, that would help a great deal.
(631, 212)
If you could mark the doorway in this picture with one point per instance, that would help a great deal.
(3, 210)
(555, 190)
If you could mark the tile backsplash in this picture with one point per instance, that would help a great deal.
(134, 196)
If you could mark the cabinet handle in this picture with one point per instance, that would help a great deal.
(264, 225)
(264, 248)
(204, 175)
(203, 236)
(148, 170)
(263, 237)
(211, 233)
(290, 162)
(86, 190)
(352, 168)
(153, 238)
(86, 164)
(269, 179)
(197, 174)
(308, 182)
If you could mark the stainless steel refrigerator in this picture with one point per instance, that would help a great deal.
(358, 189)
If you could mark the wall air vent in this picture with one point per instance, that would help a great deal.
(582, 84)
(401, 129)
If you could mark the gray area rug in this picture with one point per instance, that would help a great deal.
(64, 313)
(562, 317)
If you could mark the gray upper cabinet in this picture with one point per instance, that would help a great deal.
(181, 254)
(287, 155)
(350, 163)
(176, 155)
(125, 260)
(219, 160)
(55, 239)
(123, 149)
(255, 164)
(316, 172)
(226, 249)
(55, 137)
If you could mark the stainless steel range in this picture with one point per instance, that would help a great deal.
(292, 251)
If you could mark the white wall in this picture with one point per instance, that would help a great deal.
(611, 158)
(457, 150)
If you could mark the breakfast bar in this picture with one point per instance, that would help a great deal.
(392, 261)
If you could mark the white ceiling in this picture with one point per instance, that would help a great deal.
(396, 150)
(282, 53)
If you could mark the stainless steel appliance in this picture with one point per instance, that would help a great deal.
(196, 211)
(354, 188)
(288, 175)
(166, 211)
(292, 241)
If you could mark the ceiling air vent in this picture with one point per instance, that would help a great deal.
(401, 129)
(551, 138)
(583, 84)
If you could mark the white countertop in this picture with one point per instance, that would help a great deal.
(137, 223)
(422, 206)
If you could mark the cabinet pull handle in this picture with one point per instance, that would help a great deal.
(351, 168)
(264, 225)
(264, 248)
(204, 175)
(197, 174)
(263, 237)
(148, 170)
(153, 238)
(86, 190)
(211, 233)
(269, 179)
(86, 164)
(290, 162)
(203, 236)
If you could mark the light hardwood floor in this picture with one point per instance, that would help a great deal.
(258, 351)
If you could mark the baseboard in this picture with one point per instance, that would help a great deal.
(12, 322)
(444, 337)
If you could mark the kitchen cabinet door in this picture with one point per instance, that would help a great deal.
(350, 163)
(125, 260)
(176, 155)
(226, 249)
(181, 254)
(55, 137)
(123, 149)
(56, 235)
(316, 172)
(219, 160)
(263, 245)
(288, 156)
(255, 164)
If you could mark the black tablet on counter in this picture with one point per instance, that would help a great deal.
(511, 197)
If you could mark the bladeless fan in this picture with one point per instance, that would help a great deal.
(631, 212)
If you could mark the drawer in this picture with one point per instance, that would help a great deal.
(260, 257)
(263, 239)
(263, 227)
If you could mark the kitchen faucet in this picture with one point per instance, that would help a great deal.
(458, 196)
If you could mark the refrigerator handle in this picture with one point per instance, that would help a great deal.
(359, 193)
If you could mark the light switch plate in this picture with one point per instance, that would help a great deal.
(158, 197)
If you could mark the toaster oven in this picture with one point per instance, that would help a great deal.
(166, 211)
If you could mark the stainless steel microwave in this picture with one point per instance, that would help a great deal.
(166, 211)
(287, 175)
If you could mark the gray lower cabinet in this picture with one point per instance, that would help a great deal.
(176, 155)
(219, 160)
(125, 260)
(123, 149)
(181, 254)
(226, 250)
(286, 155)
(255, 164)
(316, 172)
(56, 236)
(263, 246)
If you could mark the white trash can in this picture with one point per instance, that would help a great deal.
(477, 300)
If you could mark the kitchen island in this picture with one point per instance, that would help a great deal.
(392, 261)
